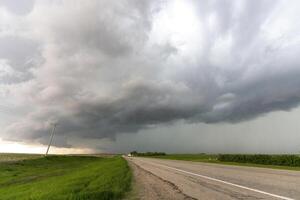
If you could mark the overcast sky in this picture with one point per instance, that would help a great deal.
(175, 76)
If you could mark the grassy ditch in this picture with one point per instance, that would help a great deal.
(65, 177)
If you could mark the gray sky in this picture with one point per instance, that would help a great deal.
(175, 76)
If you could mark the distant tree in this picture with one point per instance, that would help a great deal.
(149, 153)
(134, 153)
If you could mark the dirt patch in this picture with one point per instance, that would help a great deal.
(147, 186)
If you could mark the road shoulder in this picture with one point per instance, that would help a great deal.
(147, 186)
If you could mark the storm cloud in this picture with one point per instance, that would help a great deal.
(104, 68)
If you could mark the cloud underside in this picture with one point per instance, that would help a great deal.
(104, 68)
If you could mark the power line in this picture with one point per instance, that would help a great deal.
(51, 138)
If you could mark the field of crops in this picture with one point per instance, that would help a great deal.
(281, 160)
(9, 157)
(64, 177)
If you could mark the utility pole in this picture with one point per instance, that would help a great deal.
(51, 138)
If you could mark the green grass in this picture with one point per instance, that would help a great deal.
(65, 177)
(211, 158)
(190, 157)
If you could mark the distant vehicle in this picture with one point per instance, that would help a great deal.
(129, 155)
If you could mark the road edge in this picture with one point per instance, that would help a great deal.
(172, 185)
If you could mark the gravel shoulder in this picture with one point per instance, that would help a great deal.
(147, 186)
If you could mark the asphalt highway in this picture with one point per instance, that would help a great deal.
(214, 181)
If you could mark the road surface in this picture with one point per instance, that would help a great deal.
(214, 181)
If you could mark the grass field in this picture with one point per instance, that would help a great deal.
(211, 158)
(9, 157)
(64, 177)
(190, 157)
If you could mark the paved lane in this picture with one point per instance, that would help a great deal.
(214, 181)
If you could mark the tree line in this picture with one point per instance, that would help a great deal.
(135, 153)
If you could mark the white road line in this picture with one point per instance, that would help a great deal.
(225, 182)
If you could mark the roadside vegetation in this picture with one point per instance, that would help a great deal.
(290, 162)
(282, 160)
(65, 177)
(189, 157)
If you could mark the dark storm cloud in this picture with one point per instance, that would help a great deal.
(119, 67)
(18, 7)
(20, 54)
